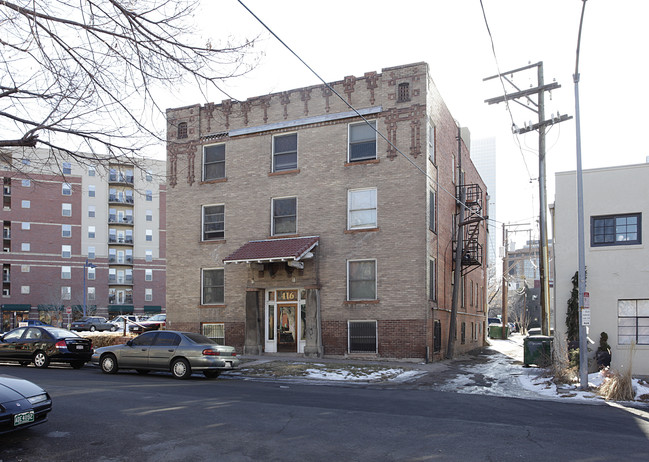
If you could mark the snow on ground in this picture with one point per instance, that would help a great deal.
(391, 374)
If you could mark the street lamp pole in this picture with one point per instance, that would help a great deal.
(85, 266)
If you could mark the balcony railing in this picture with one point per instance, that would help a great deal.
(120, 178)
(120, 240)
(6, 234)
(112, 300)
(113, 220)
(120, 200)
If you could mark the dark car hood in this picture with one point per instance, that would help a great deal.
(13, 388)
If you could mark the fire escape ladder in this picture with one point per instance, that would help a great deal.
(472, 255)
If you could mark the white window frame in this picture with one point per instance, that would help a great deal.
(148, 234)
(149, 215)
(352, 211)
(66, 293)
(349, 282)
(66, 168)
(26, 183)
(25, 226)
(66, 189)
(92, 273)
(148, 274)
(148, 295)
(25, 247)
(91, 293)
(92, 211)
(350, 127)
(66, 249)
(66, 272)
(91, 252)
(272, 216)
(92, 232)
(26, 204)
(24, 290)
(148, 255)
(92, 190)
(148, 194)
(91, 171)
(66, 210)
(66, 230)
(203, 164)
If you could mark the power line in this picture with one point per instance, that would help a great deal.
(356, 111)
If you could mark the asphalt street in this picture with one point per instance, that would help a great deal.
(125, 417)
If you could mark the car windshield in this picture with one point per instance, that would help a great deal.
(157, 317)
(60, 333)
(198, 338)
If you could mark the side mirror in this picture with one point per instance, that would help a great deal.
(129, 343)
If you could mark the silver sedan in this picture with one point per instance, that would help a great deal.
(180, 353)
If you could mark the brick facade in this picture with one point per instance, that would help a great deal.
(404, 104)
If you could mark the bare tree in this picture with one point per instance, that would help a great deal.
(81, 76)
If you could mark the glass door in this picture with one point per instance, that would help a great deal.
(287, 327)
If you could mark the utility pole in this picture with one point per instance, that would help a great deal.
(539, 108)
(505, 284)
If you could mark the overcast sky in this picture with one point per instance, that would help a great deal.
(338, 38)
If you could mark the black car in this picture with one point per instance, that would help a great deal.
(42, 345)
(23, 404)
(92, 323)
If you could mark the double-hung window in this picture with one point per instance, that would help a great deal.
(91, 190)
(213, 162)
(66, 251)
(66, 272)
(66, 189)
(66, 210)
(361, 208)
(66, 230)
(623, 229)
(362, 141)
(285, 152)
(284, 216)
(432, 211)
(213, 287)
(213, 222)
(633, 322)
(67, 168)
(361, 280)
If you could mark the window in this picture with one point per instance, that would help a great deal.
(361, 280)
(91, 190)
(633, 322)
(361, 209)
(149, 215)
(148, 295)
(66, 230)
(167, 339)
(91, 232)
(453, 167)
(25, 247)
(91, 171)
(66, 293)
(24, 290)
(91, 293)
(26, 204)
(66, 251)
(437, 336)
(182, 130)
(148, 275)
(91, 252)
(66, 210)
(26, 183)
(148, 255)
(432, 279)
(66, 189)
(213, 222)
(362, 141)
(213, 162)
(25, 225)
(616, 230)
(463, 333)
(362, 337)
(149, 176)
(213, 287)
(67, 168)
(431, 143)
(432, 211)
(25, 268)
(215, 331)
(91, 211)
(403, 92)
(91, 273)
(66, 272)
(285, 152)
(149, 235)
(148, 195)
(284, 216)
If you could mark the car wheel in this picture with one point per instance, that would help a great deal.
(211, 374)
(113, 329)
(180, 369)
(92, 328)
(41, 360)
(77, 364)
(108, 364)
(143, 371)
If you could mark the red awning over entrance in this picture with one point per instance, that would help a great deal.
(270, 250)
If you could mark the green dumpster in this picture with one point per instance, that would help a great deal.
(496, 331)
(537, 350)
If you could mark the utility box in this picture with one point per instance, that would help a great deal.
(537, 350)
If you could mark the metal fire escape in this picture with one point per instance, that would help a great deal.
(472, 251)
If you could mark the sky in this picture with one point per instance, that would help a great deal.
(338, 38)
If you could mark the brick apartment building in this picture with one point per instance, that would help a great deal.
(63, 219)
(294, 227)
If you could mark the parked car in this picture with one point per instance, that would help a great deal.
(43, 345)
(33, 322)
(180, 353)
(92, 323)
(155, 322)
(130, 319)
(23, 404)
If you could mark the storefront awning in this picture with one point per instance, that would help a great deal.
(152, 308)
(16, 307)
(120, 309)
(271, 250)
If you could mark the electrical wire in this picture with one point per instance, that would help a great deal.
(333, 90)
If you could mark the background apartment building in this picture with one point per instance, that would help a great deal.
(296, 227)
(72, 229)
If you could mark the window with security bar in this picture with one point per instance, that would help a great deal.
(362, 337)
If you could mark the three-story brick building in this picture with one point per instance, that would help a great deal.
(304, 223)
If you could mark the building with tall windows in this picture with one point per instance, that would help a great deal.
(88, 236)
(307, 223)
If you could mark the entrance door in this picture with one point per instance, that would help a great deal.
(287, 327)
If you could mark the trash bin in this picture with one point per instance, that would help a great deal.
(537, 350)
(496, 331)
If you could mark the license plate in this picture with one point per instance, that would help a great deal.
(79, 347)
(23, 418)
(228, 364)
